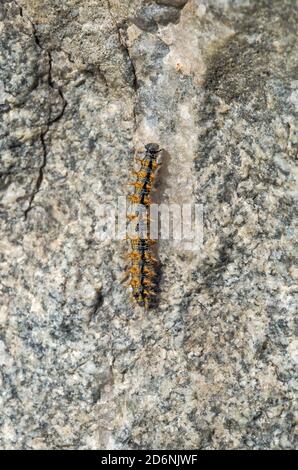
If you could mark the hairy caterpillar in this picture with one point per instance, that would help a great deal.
(143, 265)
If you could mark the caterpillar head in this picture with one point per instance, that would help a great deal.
(152, 148)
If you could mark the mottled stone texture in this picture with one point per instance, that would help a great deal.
(81, 85)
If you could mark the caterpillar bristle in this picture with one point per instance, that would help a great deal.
(136, 184)
(134, 198)
(142, 175)
(149, 272)
(148, 283)
(150, 293)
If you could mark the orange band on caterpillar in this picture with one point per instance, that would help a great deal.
(142, 270)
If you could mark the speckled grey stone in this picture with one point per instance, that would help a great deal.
(150, 16)
(174, 3)
(82, 84)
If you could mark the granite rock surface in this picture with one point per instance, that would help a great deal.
(82, 85)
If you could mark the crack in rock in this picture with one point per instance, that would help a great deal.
(124, 48)
(43, 133)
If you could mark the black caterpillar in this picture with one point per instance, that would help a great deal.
(143, 268)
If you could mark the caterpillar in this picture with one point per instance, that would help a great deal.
(143, 269)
